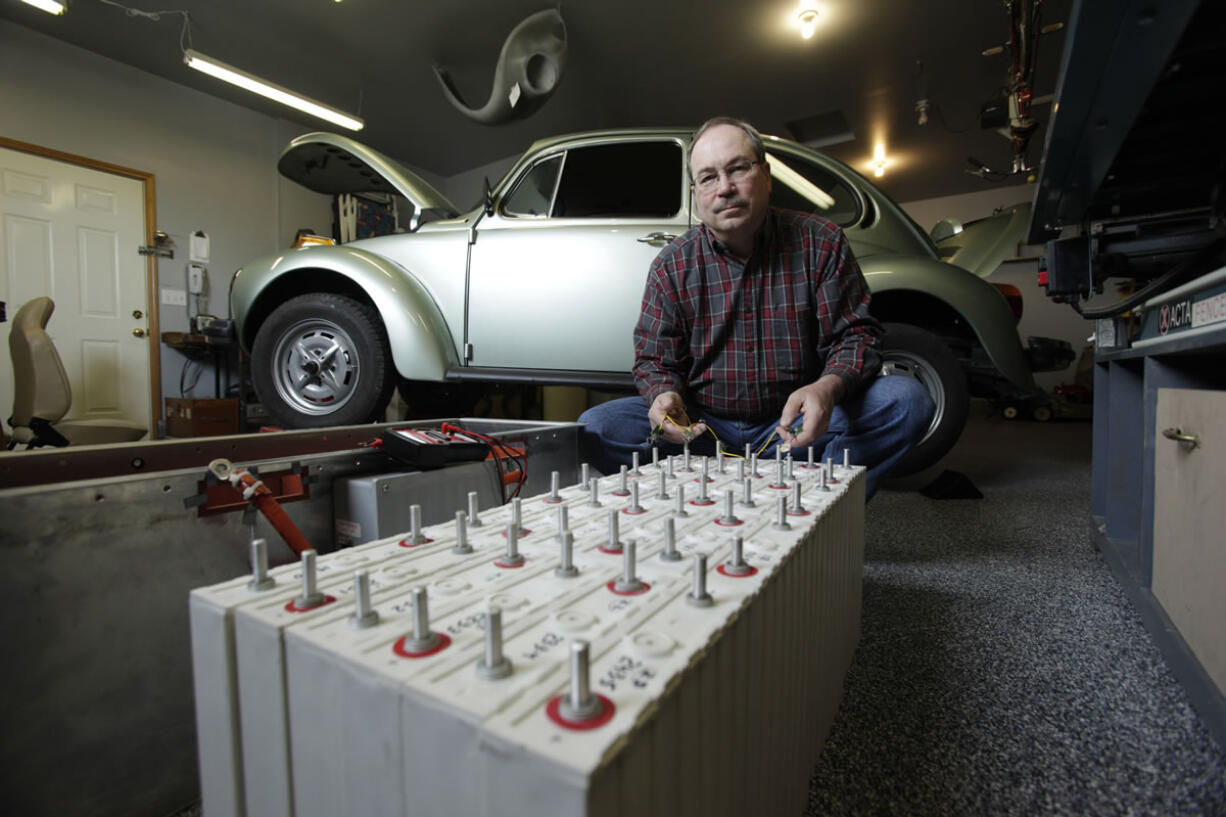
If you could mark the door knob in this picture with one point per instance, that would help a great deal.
(138, 332)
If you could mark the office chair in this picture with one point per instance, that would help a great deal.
(41, 391)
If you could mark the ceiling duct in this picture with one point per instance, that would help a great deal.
(529, 69)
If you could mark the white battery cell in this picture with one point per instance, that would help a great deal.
(626, 688)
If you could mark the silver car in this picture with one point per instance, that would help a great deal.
(542, 281)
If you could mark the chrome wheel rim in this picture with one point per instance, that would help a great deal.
(315, 367)
(907, 365)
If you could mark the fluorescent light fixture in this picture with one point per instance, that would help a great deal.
(790, 178)
(218, 69)
(49, 6)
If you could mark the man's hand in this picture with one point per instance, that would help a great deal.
(815, 401)
(675, 430)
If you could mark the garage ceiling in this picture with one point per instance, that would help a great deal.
(630, 62)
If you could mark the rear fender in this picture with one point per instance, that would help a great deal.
(977, 302)
(420, 340)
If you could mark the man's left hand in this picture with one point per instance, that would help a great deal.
(815, 402)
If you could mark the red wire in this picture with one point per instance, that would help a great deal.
(267, 504)
(499, 446)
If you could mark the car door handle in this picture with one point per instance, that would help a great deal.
(656, 239)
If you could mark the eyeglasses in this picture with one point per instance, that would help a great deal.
(736, 173)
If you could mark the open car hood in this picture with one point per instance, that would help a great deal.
(330, 163)
(983, 244)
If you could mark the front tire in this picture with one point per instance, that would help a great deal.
(913, 352)
(322, 360)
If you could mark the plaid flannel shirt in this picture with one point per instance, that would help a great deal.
(736, 339)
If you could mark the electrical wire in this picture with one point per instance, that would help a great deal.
(688, 431)
(1170, 280)
(501, 451)
(185, 33)
(184, 389)
(936, 108)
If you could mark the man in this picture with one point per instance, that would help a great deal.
(756, 324)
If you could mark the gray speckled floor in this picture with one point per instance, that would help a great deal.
(1001, 669)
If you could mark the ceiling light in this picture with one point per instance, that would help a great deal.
(49, 6)
(879, 161)
(806, 15)
(784, 173)
(215, 68)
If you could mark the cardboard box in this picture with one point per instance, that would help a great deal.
(201, 418)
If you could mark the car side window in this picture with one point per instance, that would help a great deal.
(805, 186)
(620, 180)
(533, 194)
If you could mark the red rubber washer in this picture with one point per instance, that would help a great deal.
(405, 543)
(444, 641)
(752, 571)
(554, 710)
(730, 524)
(500, 563)
(291, 607)
(612, 585)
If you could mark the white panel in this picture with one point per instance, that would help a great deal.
(95, 199)
(98, 262)
(1189, 517)
(29, 259)
(100, 372)
(26, 186)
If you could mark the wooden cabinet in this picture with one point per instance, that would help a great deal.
(1189, 563)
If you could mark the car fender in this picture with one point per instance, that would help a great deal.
(419, 337)
(978, 303)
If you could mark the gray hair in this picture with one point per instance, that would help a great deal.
(755, 138)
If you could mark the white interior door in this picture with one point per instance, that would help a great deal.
(72, 233)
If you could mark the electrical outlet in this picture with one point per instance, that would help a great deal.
(174, 297)
(196, 276)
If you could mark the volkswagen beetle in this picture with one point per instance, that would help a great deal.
(541, 282)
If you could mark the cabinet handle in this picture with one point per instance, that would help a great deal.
(1188, 441)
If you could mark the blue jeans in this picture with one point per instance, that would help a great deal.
(877, 426)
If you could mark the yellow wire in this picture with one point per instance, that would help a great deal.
(718, 441)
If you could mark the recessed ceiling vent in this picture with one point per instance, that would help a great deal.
(821, 129)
